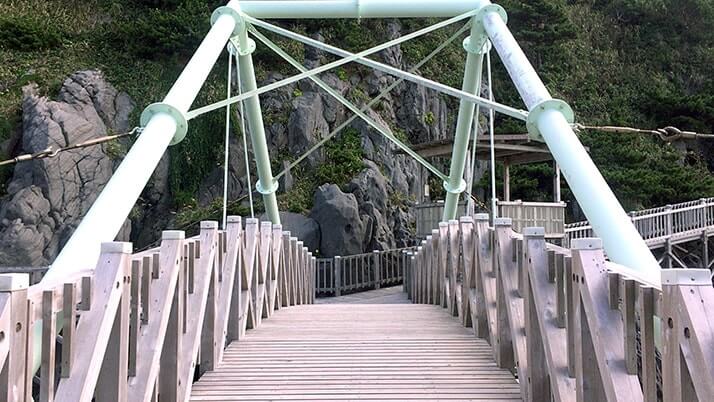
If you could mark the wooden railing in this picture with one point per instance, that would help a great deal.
(659, 224)
(359, 272)
(568, 322)
(428, 216)
(548, 215)
(141, 327)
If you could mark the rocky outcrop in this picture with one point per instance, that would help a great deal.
(304, 228)
(342, 231)
(47, 198)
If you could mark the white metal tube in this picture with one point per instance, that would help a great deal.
(361, 59)
(621, 241)
(356, 8)
(620, 238)
(471, 84)
(519, 68)
(111, 208)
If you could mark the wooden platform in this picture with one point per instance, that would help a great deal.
(358, 352)
(390, 295)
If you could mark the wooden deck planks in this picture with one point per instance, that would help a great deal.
(358, 352)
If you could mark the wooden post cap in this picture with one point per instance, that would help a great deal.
(534, 232)
(233, 219)
(481, 217)
(588, 243)
(687, 277)
(443, 225)
(277, 227)
(502, 222)
(466, 219)
(177, 234)
(119, 247)
(13, 282)
(209, 225)
(251, 221)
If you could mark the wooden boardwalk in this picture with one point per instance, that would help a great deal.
(359, 350)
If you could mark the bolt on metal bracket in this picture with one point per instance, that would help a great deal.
(550, 104)
(171, 110)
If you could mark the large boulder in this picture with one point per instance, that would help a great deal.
(47, 198)
(304, 228)
(342, 231)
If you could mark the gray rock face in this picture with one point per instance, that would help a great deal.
(298, 115)
(307, 125)
(302, 227)
(341, 228)
(47, 198)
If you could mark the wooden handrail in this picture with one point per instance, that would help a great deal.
(359, 272)
(568, 321)
(658, 223)
(162, 307)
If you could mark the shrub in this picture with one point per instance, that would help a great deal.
(344, 158)
(155, 32)
(25, 33)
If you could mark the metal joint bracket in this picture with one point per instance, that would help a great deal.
(234, 46)
(236, 14)
(458, 190)
(483, 49)
(535, 113)
(267, 191)
(480, 41)
(171, 110)
(686, 277)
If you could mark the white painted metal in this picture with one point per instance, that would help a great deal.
(622, 242)
(110, 210)
(361, 59)
(356, 8)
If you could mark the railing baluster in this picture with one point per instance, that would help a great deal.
(47, 367)
(135, 320)
(69, 306)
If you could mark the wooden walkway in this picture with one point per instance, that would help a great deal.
(359, 350)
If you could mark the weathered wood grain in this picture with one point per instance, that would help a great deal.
(358, 351)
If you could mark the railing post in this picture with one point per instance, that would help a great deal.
(705, 217)
(668, 221)
(705, 248)
(13, 304)
(405, 272)
(170, 386)
(504, 343)
(537, 258)
(337, 264)
(377, 269)
(452, 266)
(209, 346)
(687, 302)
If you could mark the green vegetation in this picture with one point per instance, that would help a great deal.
(345, 158)
(620, 62)
(429, 118)
(344, 154)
